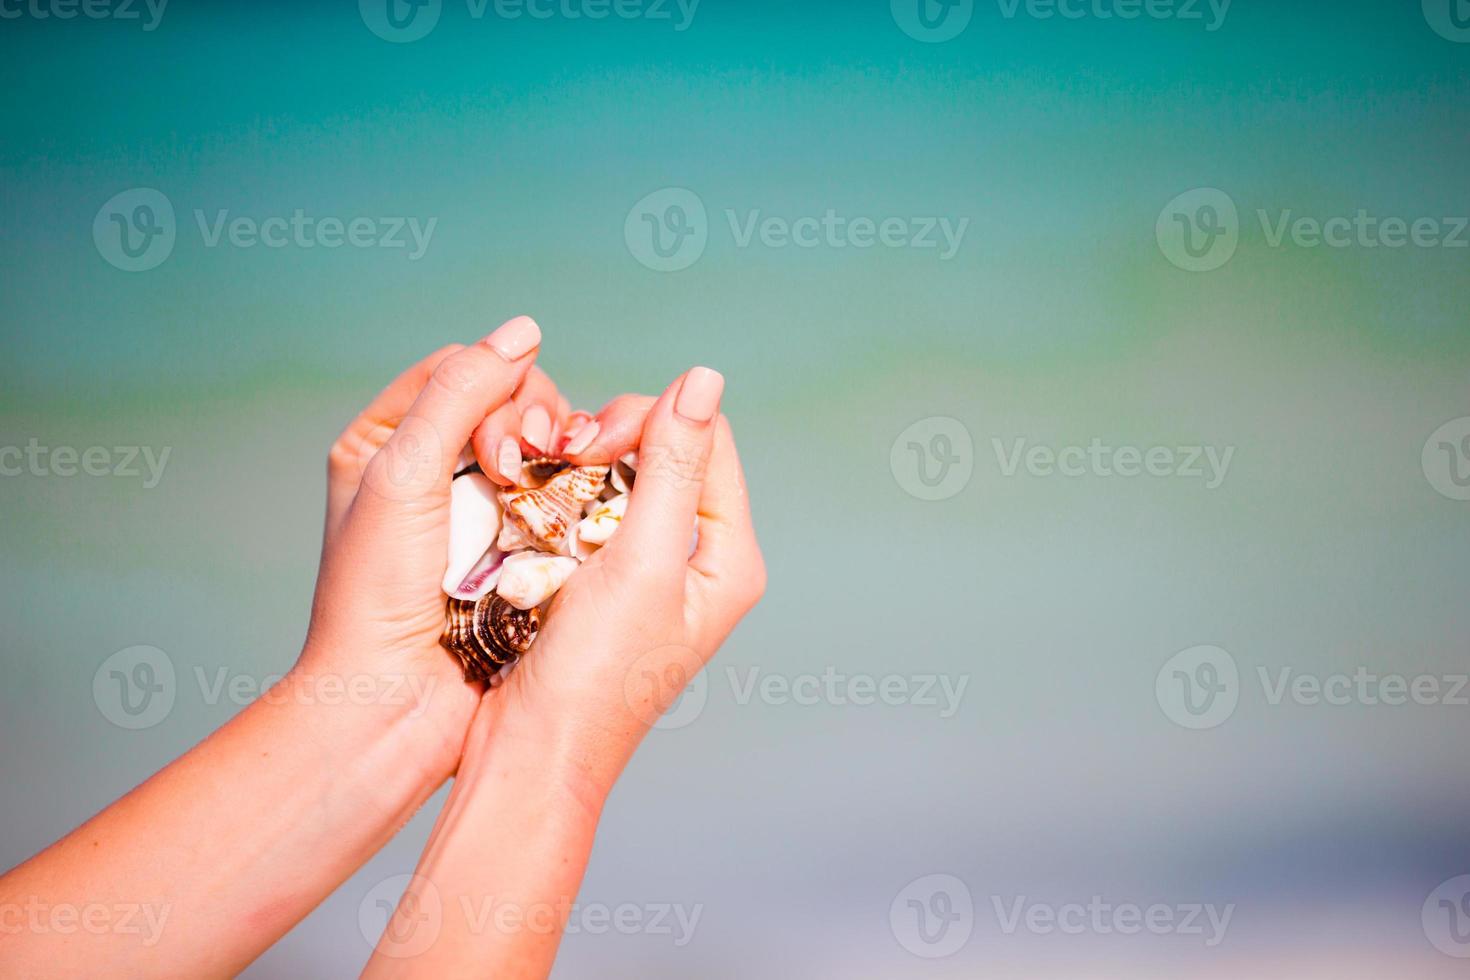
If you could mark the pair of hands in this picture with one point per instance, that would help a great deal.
(628, 630)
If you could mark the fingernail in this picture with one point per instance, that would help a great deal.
(582, 438)
(516, 338)
(699, 396)
(536, 427)
(509, 460)
(577, 426)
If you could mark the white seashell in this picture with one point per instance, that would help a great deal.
(528, 579)
(620, 477)
(598, 526)
(474, 521)
(481, 580)
(545, 515)
(466, 460)
(512, 538)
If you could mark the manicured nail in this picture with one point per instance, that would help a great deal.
(699, 396)
(582, 438)
(536, 427)
(577, 425)
(508, 460)
(516, 338)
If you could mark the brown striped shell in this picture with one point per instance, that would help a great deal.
(487, 633)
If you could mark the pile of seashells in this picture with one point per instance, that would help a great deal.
(512, 548)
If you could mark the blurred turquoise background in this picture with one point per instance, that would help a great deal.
(1335, 540)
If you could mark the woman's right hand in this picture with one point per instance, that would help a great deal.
(643, 615)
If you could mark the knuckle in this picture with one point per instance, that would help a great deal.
(460, 373)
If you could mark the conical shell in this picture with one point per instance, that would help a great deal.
(544, 515)
(530, 578)
(474, 522)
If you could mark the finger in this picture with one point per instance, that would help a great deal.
(572, 424)
(727, 558)
(540, 407)
(673, 454)
(615, 430)
(497, 445)
(367, 433)
(419, 458)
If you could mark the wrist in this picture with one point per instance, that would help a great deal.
(416, 716)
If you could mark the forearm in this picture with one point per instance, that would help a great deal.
(232, 844)
(501, 871)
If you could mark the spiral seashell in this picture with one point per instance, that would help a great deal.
(545, 514)
(488, 633)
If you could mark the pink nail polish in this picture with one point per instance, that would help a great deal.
(515, 339)
(508, 460)
(699, 397)
(536, 427)
(583, 438)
